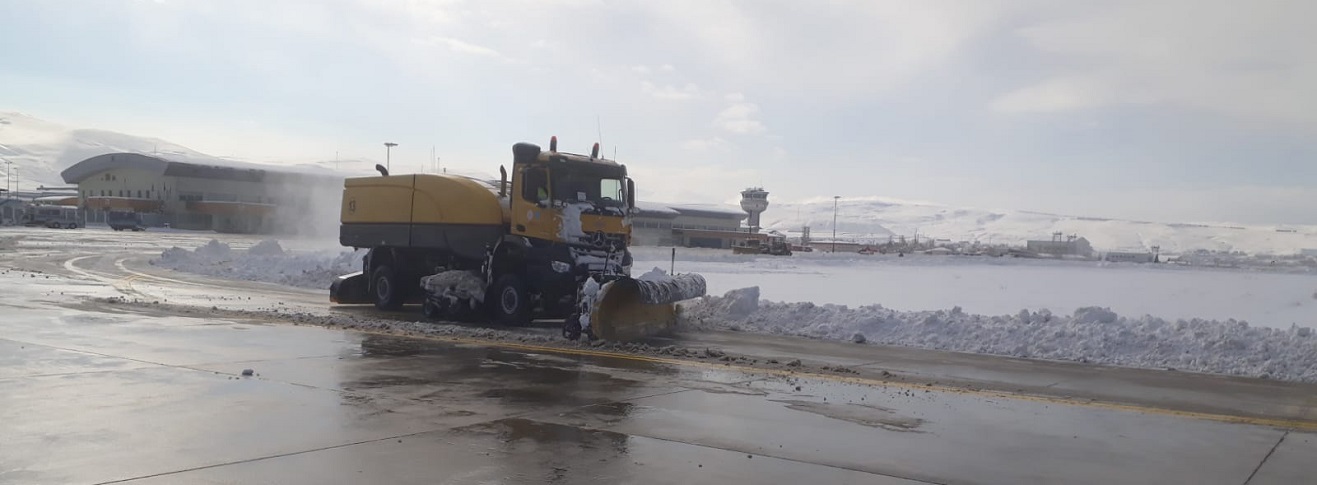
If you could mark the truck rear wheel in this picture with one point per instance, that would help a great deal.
(509, 303)
(389, 295)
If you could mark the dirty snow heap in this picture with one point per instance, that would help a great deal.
(265, 261)
(1091, 334)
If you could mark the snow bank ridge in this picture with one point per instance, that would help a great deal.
(265, 261)
(1091, 334)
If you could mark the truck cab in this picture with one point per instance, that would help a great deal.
(580, 203)
(569, 218)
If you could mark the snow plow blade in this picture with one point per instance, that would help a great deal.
(630, 309)
(349, 288)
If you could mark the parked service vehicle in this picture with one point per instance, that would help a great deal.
(120, 221)
(56, 217)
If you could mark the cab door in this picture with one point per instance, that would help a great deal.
(533, 215)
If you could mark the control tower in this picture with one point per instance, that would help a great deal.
(754, 201)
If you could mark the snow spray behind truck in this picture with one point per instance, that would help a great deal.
(550, 243)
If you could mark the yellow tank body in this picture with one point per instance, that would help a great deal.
(431, 211)
(420, 198)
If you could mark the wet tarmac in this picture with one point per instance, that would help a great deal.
(98, 394)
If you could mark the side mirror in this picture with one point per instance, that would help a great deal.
(630, 193)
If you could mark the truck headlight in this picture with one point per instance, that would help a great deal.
(561, 267)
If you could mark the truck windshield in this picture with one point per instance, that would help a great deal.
(572, 184)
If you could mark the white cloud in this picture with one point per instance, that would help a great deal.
(1051, 96)
(852, 49)
(670, 92)
(705, 145)
(739, 118)
(463, 47)
(1254, 62)
(702, 184)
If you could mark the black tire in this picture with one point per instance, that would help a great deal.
(389, 293)
(73, 225)
(571, 327)
(509, 303)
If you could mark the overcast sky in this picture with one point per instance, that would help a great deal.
(1156, 110)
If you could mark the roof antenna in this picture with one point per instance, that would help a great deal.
(599, 127)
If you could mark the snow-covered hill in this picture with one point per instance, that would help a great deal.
(41, 149)
(874, 219)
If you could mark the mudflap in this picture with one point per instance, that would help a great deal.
(629, 309)
(350, 289)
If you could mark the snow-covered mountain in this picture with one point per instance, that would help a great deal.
(874, 219)
(40, 150)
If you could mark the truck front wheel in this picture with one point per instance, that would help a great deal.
(389, 295)
(509, 303)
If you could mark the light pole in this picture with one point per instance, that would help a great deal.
(7, 178)
(388, 148)
(835, 198)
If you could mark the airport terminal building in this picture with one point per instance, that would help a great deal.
(218, 195)
(687, 225)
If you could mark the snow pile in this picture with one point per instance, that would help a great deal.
(590, 292)
(657, 287)
(456, 284)
(266, 261)
(215, 250)
(1091, 334)
(657, 274)
(268, 247)
(571, 230)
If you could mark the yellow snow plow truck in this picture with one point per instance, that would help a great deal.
(552, 244)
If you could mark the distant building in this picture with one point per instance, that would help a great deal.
(1308, 252)
(1069, 246)
(687, 225)
(1129, 257)
(11, 211)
